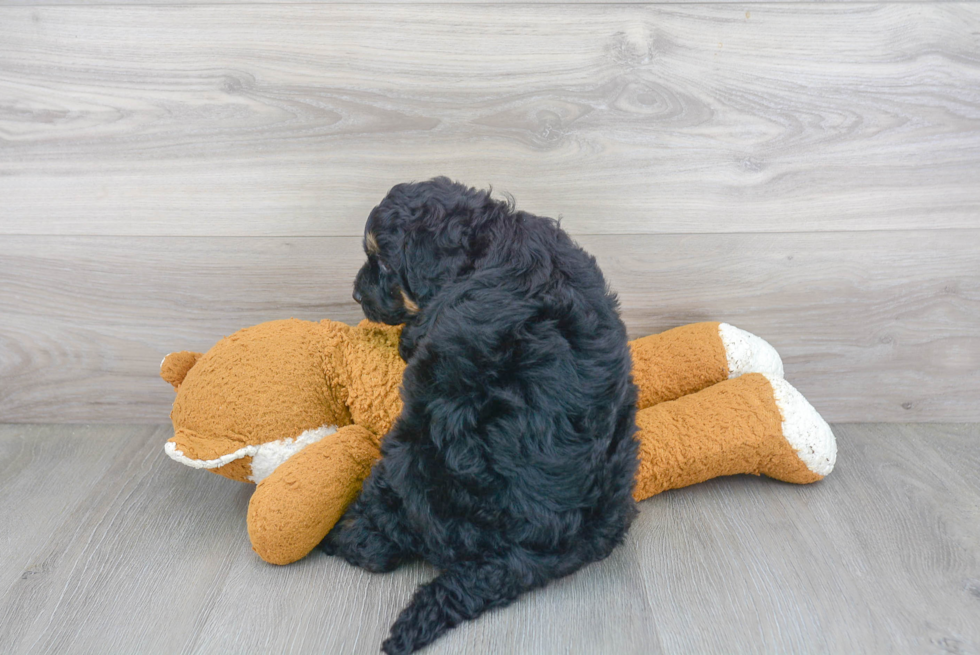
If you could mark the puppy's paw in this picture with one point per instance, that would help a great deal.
(407, 343)
(327, 546)
(363, 546)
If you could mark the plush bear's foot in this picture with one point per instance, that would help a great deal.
(687, 359)
(751, 424)
(804, 429)
(747, 353)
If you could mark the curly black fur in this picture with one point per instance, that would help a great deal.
(513, 460)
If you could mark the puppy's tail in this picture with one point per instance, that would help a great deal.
(458, 594)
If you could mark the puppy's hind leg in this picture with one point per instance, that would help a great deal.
(372, 533)
(458, 594)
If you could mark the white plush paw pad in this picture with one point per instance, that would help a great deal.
(269, 456)
(178, 456)
(748, 353)
(804, 428)
(266, 457)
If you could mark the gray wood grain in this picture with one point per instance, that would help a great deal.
(122, 571)
(43, 484)
(871, 325)
(883, 556)
(109, 547)
(293, 120)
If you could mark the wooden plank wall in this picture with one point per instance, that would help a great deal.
(810, 172)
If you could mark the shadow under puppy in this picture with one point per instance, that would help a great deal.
(513, 460)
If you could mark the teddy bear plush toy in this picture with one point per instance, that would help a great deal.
(299, 408)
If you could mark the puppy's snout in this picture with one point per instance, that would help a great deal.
(357, 296)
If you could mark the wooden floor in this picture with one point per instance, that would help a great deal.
(109, 547)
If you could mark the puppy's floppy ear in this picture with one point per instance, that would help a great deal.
(433, 258)
(446, 229)
(421, 264)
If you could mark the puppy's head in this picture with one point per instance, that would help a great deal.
(380, 287)
(420, 238)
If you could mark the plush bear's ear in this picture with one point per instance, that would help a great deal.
(174, 366)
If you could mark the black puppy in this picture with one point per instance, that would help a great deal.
(512, 462)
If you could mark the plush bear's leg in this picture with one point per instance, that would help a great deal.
(373, 533)
(751, 424)
(689, 358)
(297, 504)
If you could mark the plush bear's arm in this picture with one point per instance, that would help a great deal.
(692, 357)
(371, 375)
(292, 509)
(751, 424)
